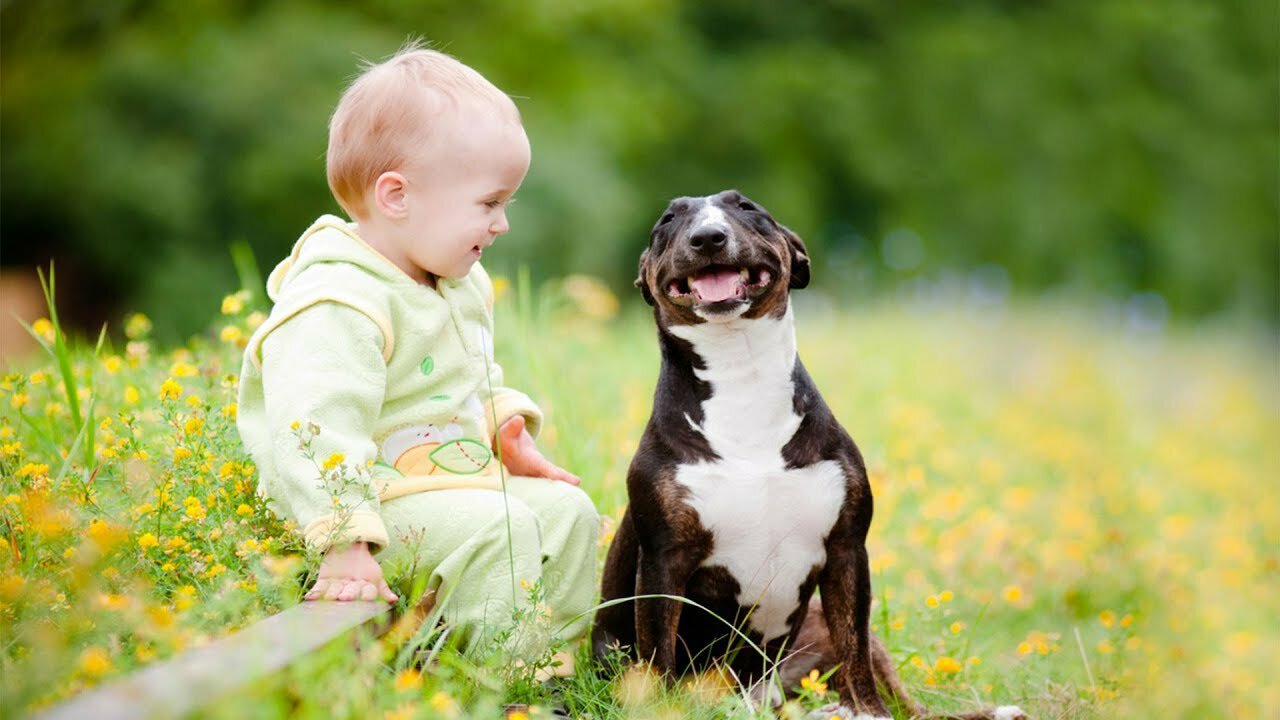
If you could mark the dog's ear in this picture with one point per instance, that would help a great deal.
(799, 260)
(642, 280)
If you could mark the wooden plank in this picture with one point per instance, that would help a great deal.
(185, 682)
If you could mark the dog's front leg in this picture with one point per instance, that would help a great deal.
(846, 602)
(662, 571)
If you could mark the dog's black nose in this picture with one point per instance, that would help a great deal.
(709, 239)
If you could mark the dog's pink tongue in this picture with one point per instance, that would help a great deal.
(716, 285)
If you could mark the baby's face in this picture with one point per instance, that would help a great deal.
(457, 190)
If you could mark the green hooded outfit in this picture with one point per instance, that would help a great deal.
(394, 388)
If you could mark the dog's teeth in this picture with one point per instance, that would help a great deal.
(745, 274)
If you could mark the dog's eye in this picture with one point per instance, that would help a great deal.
(748, 206)
(667, 218)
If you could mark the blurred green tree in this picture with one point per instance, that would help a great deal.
(1116, 146)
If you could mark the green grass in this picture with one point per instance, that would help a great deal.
(1072, 515)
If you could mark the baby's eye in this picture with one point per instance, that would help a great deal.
(493, 204)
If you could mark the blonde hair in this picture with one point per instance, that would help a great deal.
(387, 112)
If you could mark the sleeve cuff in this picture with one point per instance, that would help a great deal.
(338, 529)
(508, 403)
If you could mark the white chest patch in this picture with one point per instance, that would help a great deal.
(769, 523)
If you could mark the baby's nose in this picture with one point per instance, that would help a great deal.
(500, 225)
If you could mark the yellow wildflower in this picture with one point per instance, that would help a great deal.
(931, 601)
(137, 326)
(1106, 648)
(441, 701)
(946, 596)
(215, 571)
(170, 390)
(105, 535)
(183, 369)
(43, 328)
(10, 449)
(38, 377)
(230, 411)
(948, 665)
(19, 400)
(591, 296)
(334, 460)
(1107, 618)
(408, 679)
(193, 425)
(255, 319)
(1012, 593)
(112, 364)
(233, 304)
(11, 586)
(231, 334)
(148, 540)
(108, 601)
(132, 396)
(185, 597)
(813, 683)
(181, 453)
(244, 510)
(95, 662)
(956, 627)
(33, 470)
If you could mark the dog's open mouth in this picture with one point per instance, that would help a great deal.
(719, 283)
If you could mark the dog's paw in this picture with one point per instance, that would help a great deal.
(1009, 712)
(765, 694)
(843, 712)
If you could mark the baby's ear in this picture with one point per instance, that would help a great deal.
(799, 260)
(642, 279)
(388, 194)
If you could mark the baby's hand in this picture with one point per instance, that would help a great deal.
(350, 573)
(521, 456)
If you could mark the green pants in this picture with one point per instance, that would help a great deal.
(465, 543)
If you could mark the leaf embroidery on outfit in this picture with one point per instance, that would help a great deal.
(463, 456)
(427, 365)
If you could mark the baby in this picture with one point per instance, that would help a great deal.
(370, 400)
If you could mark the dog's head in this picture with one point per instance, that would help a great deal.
(720, 257)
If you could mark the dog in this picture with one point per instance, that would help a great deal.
(746, 494)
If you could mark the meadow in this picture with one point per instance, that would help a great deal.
(1075, 509)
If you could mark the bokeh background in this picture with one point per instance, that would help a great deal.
(1120, 150)
(1046, 244)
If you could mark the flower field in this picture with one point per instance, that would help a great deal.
(1075, 513)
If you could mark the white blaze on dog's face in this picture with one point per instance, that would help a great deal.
(720, 257)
